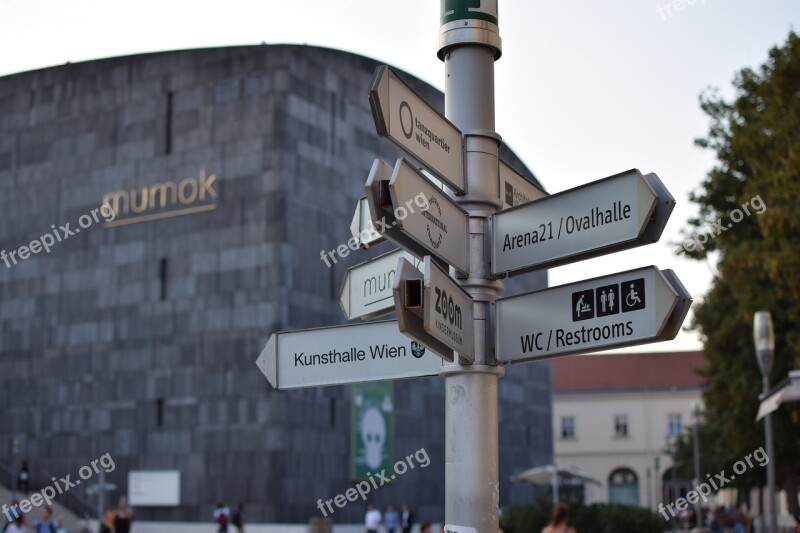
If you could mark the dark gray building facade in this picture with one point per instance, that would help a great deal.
(229, 170)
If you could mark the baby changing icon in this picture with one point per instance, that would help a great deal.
(582, 305)
(633, 297)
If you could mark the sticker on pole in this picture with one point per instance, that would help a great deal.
(459, 529)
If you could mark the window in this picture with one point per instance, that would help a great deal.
(163, 279)
(567, 427)
(623, 487)
(674, 425)
(168, 125)
(160, 412)
(621, 426)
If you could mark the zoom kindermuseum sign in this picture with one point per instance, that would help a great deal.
(164, 200)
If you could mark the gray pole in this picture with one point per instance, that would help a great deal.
(101, 500)
(764, 339)
(773, 509)
(696, 439)
(674, 492)
(469, 43)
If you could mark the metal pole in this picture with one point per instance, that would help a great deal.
(773, 509)
(673, 493)
(554, 483)
(696, 439)
(469, 48)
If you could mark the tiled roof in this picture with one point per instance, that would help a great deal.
(621, 372)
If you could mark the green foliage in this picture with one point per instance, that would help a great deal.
(598, 518)
(756, 139)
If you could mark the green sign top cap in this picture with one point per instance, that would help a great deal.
(468, 10)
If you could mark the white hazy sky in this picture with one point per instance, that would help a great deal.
(585, 89)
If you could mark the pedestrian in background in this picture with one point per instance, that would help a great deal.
(372, 519)
(123, 518)
(17, 526)
(24, 478)
(238, 518)
(406, 519)
(108, 521)
(391, 519)
(559, 522)
(46, 524)
(222, 515)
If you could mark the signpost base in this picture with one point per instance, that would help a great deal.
(471, 446)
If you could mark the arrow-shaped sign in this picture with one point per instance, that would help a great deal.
(408, 304)
(416, 214)
(515, 189)
(338, 355)
(361, 226)
(367, 289)
(406, 119)
(630, 308)
(432, 308)
(613, 214)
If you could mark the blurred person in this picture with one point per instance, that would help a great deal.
(108, 521)
(372, 519)
(391, 519)
(238, 518)
(122, 517)
(24, 478)
(406, 518)
(425, 528)
(558, 524)
(46, 524)
(18, 525)
(222, 515)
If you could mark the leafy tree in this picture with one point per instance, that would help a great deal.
(756, 139)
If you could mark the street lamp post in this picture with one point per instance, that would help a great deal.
(696, 439)
(673, 492)
(764, 338)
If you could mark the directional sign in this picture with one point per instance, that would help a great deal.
(379, 201)
(447, 310)
(344, 354)
(630, 308)
(429, 216)
(609, 215)
(367, 289)
(515, 189)
(362, 228)
(408, 303)
(402, 116)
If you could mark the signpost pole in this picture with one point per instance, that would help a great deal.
(469, 43)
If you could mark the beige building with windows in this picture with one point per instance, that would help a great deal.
(613, 417)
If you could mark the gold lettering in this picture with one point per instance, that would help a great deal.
(164, 195)
(113, 199)
(182, 191)
(207, 185)
(143, 205)
(163, 188)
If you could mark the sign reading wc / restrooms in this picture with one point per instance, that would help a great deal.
(164, 200)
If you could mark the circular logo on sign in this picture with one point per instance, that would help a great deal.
(417, 350)
(405, 114)
(436, 227)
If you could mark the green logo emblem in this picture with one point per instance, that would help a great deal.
(469, 9)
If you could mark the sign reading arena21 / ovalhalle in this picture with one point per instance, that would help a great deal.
(563, 227)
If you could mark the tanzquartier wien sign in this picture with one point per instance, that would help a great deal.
(163, 200)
